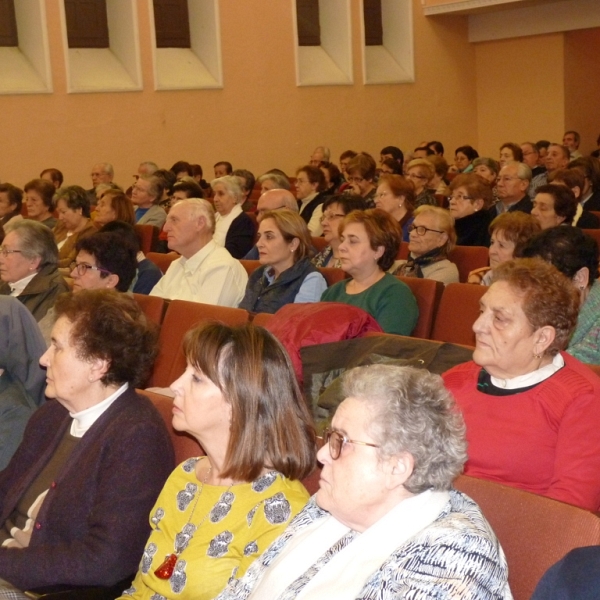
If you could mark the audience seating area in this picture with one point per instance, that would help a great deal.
(534, 531)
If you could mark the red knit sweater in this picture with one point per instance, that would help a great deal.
(545, 440)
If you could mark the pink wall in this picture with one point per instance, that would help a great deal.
(260, 119)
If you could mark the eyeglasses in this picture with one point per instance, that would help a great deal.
(337, 441)
(459, 197)
(83, 268)
(5, 251)
(355, 179)
(330, 217)
(422, 230)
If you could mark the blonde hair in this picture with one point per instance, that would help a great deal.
(292, 226)
(445, 223)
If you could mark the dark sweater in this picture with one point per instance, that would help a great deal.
(472, 230)
(93, 523)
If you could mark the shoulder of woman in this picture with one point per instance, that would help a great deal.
(460, 373)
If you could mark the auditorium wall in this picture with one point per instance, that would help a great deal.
(259, 120)
(477, 93)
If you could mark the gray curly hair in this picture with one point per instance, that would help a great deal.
(412, 412)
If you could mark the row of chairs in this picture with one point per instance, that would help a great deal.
(439, 318)
(534, 531)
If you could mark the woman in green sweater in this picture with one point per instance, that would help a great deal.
(369, 244)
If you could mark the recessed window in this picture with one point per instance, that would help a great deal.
(388, 41)
(172, 24)
(24, 52)
(373, 23)
(87, 23)
(96, 60)
(324, 45)
(190, 62)
(8, 24)
(309, 28)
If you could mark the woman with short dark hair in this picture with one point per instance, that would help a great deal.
(73, 207)
(11, 201)
(575, 254)
(74, 497)
(39, 199)
(554, 205)
(469, 200)
(216, 514)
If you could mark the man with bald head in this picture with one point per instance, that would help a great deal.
(205, 272)
(272, 200)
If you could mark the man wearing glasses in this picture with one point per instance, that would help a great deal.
(513, 183)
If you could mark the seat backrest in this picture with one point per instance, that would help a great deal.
(153, 307)
(428, 294)
(319, 243)
(185, 445)
(534, 531)
(332, 275)
(250, 265)
(457, 311)
(467, 259)
(148, 235)
(162, 261)
(262, 319)
(595, 233)
(402, 251)
(181, 316)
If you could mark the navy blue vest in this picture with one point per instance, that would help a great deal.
(262, 297)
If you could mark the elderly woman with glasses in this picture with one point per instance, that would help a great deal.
(432, 237)
(421, 172)
(469, 201)
(335, 208)
(395, 446)
(29, 267)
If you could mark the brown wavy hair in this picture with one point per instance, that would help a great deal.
(111, 326)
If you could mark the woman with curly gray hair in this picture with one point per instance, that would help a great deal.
(395, 446)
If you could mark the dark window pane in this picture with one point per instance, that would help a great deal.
(373, 23)
(87, 23)
(8, 24)
(172, 24)
(309, 29)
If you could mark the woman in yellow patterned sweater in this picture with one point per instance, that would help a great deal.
(216, 514)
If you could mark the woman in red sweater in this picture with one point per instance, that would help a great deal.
(532, 412)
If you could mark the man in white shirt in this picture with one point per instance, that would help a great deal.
(205, 272)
